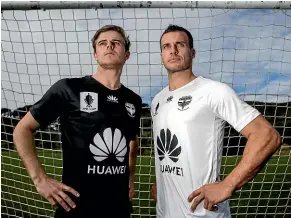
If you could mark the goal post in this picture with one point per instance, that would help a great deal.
(245, 44)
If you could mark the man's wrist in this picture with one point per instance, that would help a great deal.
(38, 178)
(228, 185)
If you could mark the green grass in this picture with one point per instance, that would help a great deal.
(265, 196)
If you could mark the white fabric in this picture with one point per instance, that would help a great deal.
(192, 158)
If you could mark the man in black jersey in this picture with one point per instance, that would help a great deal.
(99, 120)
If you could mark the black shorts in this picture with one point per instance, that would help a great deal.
(73, 213)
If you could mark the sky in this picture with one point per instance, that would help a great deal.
(249, 50)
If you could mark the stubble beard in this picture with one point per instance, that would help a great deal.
(178, 68)
(110, 66)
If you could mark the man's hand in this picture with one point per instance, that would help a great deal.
(211, 194)
(154, 191)
(54, 192)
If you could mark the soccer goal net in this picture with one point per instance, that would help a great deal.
(246, 45)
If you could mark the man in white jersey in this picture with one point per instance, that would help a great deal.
(188, 125)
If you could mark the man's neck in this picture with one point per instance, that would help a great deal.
(180, 79)
(108, 77)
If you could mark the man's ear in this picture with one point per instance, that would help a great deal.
(193, 53)
(95, 56)
(127, 55)
(161, 59)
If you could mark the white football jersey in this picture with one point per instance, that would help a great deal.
(188, 126)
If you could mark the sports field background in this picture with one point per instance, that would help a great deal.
(268, 193)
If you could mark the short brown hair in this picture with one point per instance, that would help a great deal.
(176, 28)
(111, 28)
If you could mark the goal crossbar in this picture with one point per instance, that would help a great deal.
(44, 5)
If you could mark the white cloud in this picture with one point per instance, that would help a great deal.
(239, 47)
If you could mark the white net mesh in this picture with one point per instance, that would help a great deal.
(247, 49)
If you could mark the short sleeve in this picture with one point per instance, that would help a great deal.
(50, 106)
(228, 106)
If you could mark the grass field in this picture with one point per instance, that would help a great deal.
(268, 195)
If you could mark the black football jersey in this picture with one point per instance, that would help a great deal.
(97, 125)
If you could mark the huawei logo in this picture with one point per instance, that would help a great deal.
(167, 145)
(109, 145)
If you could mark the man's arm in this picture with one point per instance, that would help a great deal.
(51, 189)
(133, 145)
(263, 141)
(24, 141)
(154, 191)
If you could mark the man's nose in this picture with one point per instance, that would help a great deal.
(110, 45)
(174, 49)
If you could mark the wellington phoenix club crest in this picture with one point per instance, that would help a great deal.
(88, 101)
(184, 102)
(130, 109)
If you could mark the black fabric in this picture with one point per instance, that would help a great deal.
(101, 178)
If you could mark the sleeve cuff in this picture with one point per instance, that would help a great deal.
(247, 119)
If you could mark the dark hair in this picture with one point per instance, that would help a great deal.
(111, 28)
(176, 28)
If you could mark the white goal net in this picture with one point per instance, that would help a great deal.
(247, 46)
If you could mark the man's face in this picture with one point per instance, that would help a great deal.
(110, 50)
(176, 53)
